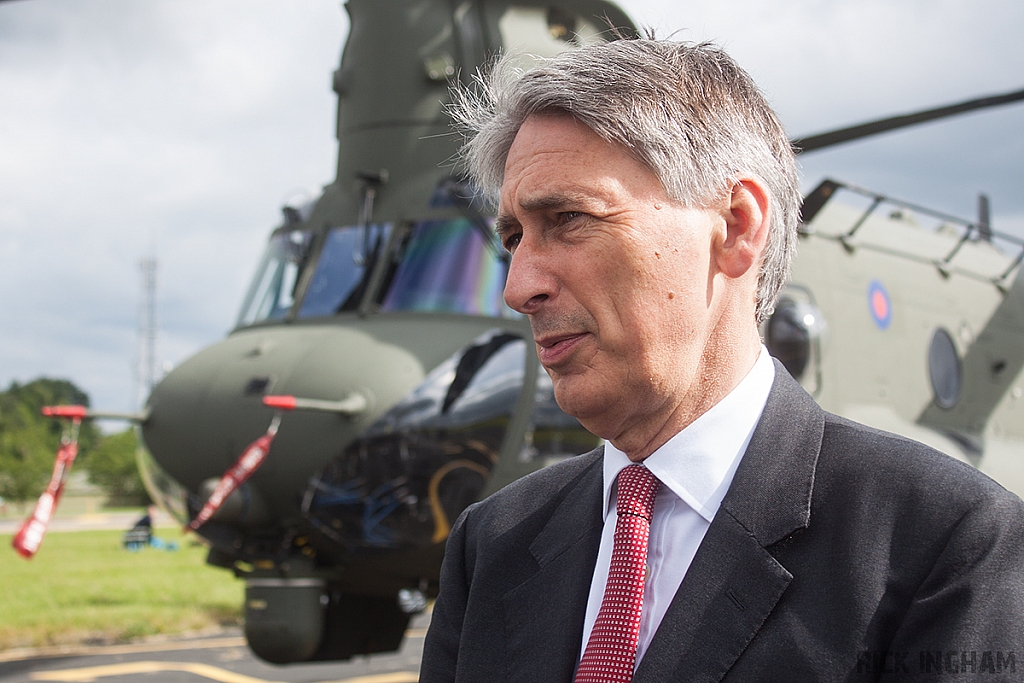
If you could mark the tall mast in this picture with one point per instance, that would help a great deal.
(145, 370)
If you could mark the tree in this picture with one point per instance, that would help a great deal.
(112, 467)
(29, 441)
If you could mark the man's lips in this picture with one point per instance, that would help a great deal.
(553, 349)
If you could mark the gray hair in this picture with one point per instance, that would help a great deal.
(687, 111)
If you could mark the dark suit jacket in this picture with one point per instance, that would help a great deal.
(840, 553)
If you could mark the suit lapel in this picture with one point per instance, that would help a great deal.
(734, 583)
(544, 614)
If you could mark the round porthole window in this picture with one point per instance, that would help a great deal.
(944, 369)
(790, 332)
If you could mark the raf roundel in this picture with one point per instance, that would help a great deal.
(879, 304)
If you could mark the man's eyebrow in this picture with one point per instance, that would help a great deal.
(505, 225)
(555, 201)
(546, 202)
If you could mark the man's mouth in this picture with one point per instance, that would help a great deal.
(556, 348)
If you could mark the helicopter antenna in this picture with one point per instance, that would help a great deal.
(145, 371)
(984, 222)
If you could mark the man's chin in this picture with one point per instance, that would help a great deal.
(589, 406)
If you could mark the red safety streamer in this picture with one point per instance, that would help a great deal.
(30, 536)
(247, 463)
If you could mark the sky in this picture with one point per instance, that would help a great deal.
(177, 129)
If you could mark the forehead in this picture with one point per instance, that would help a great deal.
(558, 155)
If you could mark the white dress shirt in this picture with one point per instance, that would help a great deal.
(695, 467)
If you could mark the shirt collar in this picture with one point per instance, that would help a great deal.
(698, 463)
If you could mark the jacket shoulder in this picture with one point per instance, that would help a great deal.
(859, 452)
(908, 505)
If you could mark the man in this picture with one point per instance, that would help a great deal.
(729, 529)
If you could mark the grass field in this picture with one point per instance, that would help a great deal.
(84, 587)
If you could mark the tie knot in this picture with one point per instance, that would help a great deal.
(637, 489)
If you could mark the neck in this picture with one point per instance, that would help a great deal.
(713, 380)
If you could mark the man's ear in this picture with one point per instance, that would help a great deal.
(745, 211)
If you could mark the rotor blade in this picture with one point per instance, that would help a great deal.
(863, 130)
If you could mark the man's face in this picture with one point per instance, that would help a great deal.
(616, 277)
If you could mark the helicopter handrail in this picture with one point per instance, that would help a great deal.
(860, 221)
(971, 231)
(1016, 262)
(934, 213)
(963, 240)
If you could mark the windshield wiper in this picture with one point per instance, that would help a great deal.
(461, 194)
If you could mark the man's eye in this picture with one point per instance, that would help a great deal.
(512, 241)
(569, 216)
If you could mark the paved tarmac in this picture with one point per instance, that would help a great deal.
(223, 658)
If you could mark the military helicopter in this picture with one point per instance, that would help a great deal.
(392, 387)
(377, 311)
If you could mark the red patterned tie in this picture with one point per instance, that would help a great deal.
(611, 650)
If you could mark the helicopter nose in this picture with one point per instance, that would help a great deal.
(206, 411)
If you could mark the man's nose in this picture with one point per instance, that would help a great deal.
(530, 282)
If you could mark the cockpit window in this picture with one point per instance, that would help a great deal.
(447, 266)
(545, 31)
(272, 291)
(343, 269)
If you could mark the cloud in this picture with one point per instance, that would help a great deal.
(826, 65)
(127, 126)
